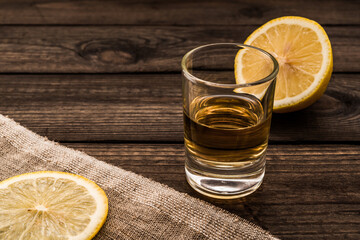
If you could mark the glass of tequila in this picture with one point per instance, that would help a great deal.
(228, 93)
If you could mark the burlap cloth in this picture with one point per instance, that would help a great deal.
(139, 208)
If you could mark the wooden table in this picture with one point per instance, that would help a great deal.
(104, 77)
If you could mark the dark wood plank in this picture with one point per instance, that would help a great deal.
(148, 107)
(309, 191)
(177, 12)
(115, 49)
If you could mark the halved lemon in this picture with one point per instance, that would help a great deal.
(303, 51)
(51, 205)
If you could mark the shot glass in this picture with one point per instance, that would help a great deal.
(228, 93)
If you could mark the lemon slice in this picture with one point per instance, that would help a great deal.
(303, 51)
(51, 205)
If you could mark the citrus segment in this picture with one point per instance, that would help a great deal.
(255, 65)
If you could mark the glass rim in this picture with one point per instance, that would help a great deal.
(193, 78)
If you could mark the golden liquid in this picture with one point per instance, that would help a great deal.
(228, 131)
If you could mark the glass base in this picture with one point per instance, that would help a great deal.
(223, 188)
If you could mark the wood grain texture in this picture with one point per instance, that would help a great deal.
(309, 191)
(148, 107)
(145, 12)
(119, 49)
(50, 50)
